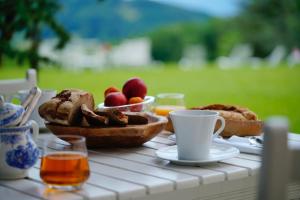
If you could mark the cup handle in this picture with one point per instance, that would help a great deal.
(217, 133)
(35, 129)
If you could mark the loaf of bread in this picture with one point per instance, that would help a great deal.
(65, 107)
(238, 120)
(230, 112)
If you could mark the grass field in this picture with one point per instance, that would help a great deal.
(266, 91)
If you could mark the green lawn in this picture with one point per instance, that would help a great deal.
(265, 91)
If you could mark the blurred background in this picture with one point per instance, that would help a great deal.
(244, 52)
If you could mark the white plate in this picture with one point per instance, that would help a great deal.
(217, 152)
(242, 143)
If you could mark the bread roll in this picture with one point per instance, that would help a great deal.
(65, 107)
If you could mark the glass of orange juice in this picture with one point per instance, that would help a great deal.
(64, 164)
(167, 102)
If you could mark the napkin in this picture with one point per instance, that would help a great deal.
(242, 143)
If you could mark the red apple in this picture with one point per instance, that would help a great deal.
(110, 90)
(134, 87)
(115, 99)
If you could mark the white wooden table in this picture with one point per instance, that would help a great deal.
(136, 173)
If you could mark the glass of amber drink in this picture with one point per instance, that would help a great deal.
(64, 162)
(167, 102)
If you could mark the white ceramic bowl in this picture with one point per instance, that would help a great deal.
(144, 106)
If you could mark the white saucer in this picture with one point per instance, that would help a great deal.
(217, 152)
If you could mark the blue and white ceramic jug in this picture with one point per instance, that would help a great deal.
(18, 151)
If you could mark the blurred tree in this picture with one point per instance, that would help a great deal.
(167, 44)
(208, 35)
(267, 23)
(28, 17)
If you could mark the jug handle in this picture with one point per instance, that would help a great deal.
(35, 129)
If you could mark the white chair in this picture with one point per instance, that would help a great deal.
(280, 161)
(240, 56)
(10, 87)
(276, 56)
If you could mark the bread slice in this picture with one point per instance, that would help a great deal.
(92, 118)
(65, 107)
(116, 117)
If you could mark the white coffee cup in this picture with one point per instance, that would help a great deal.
(47, 94)
(194, 131)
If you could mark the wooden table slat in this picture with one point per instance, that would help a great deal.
(252, 166)
(88, 191)
(11, 194)
(152, 184)
(163, 141)
(206, 176)
(122, 188)
(252, 157)
(154, 145)
(181, 180)
(230, 171)
(125, 190)
(38, 190)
